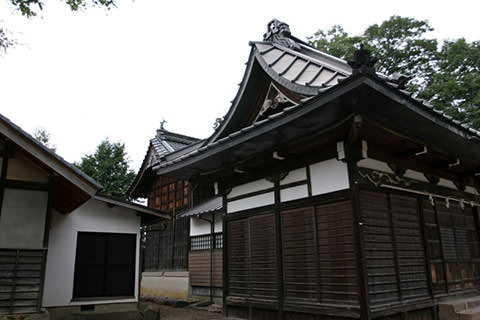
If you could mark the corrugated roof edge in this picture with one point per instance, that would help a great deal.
(50, 152)
(211, 205)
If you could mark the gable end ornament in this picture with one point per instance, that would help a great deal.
(363, 62)
(279, 32)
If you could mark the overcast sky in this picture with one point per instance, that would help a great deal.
(90, 75)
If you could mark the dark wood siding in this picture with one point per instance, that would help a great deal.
(411, 263)
(379, 248)
(459, 241)
(319, 254)
(300, 254)
(21, 280)
(336, 253)
(199, 262)
(396, 263)
(166, 246)
(433, 247)
(413, 243)
(252, 270)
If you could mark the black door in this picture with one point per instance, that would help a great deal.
(104, 265)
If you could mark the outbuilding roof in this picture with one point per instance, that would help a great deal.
(74, 187)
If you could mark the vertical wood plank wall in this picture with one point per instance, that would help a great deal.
(199, 262)
(415, 250)
(403, 261)
(319, 254)
(166, 247)
(21, 277)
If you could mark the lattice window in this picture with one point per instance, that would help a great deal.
(200, 242)
(219, 240)
(204, 242)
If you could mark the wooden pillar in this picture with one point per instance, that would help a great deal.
(278, 242)
(6, 154)
(224, 253)
(353, 151)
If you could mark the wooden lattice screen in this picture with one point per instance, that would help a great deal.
(166, 246)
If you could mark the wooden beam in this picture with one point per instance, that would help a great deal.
(381, 155)
(411, 152)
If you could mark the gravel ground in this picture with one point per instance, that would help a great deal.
(181, 313)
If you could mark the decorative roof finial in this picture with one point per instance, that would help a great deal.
(162, 123)
(279, 32)
(363, 62)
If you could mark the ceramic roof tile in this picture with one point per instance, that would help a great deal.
(303, 68)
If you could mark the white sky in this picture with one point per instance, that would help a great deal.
(89, 75)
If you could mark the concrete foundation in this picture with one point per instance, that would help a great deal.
(168, 284)
(120, 311)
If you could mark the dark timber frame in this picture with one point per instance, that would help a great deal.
(23, 269)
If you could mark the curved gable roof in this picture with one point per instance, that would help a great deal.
(304, 72)
(317, 78)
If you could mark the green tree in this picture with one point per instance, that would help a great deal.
(448, 78)
(455, 87)
(42, 135)
(398, 42)
(30, 8)
(336, 42)
(109, 166)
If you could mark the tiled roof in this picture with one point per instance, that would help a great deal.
(312, 73)
(166, 142)
(307, 67)
(285, 112)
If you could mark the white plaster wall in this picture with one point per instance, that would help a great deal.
(92, 216)
(22, 219)
(251, 202)
(294, 193)
(294, 176)
(328, 176)
(199, 227)
(412, 174)
(253, 186)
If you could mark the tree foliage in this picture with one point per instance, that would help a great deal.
(399, 43)
(30, 8)
(448, 77)
(455, 87)
(109, 166)
(43, 136)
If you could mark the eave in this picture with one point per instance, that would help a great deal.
(73, 187)
(147, 214)
(364, 95)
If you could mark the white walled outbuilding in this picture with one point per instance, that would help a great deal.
(92, 216)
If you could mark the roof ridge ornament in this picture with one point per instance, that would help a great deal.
(162, 123)
(279, 32)
(363, 62)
